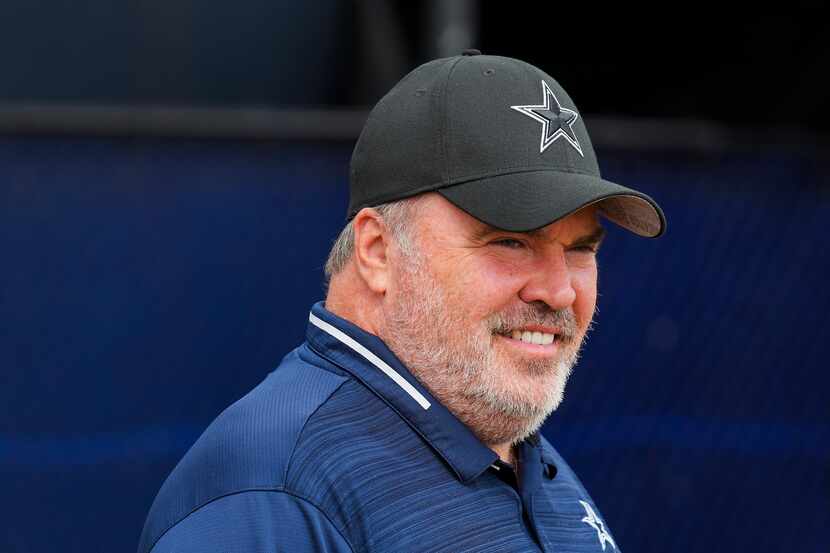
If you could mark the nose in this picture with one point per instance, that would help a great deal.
(550, 280)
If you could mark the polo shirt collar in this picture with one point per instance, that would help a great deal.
(369, 360)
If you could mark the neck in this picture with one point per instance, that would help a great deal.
(506, 453)
(349, 299)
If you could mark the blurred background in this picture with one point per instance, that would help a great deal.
(173, 173)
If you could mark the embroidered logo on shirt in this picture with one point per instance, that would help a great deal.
(557, 121)
(594, 522)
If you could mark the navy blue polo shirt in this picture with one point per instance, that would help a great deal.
(340, 449)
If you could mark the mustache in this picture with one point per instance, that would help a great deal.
(536, 313)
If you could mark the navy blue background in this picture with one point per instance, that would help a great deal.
(147, 284)
(175, 52)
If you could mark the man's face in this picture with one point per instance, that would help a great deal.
(492, 321)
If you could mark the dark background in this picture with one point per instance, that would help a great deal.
(156, 265)
(765, 72)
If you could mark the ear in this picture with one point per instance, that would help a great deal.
(371, 249)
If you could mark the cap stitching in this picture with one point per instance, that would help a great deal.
(445, 122)
(506, 170)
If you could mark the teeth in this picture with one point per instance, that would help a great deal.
(526, 336)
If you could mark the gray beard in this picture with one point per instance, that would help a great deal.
(460, 368)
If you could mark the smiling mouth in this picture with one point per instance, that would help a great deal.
(533, 337)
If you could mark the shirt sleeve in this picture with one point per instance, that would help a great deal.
(254, 522)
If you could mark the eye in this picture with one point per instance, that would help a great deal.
(510, 243)
(586, 248)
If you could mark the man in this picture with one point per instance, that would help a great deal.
(460, 292)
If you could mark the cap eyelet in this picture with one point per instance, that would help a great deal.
(489, 71)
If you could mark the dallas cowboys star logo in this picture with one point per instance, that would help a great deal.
(594, 522)
(557, 121)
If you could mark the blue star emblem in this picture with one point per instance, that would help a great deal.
(594, 522)
(557, 121)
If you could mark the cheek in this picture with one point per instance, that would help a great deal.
(584, 283)
(498, 278)
(484, 285)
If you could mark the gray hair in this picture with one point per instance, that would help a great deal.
(397, 216)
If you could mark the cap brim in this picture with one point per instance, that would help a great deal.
(529, 200)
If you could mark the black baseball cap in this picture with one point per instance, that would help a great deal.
(497, 137)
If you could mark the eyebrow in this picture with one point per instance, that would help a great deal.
(596, 237)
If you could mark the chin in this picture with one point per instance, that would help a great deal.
(512, 429)
(533, 382)
(536, 393)
(521, 408)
